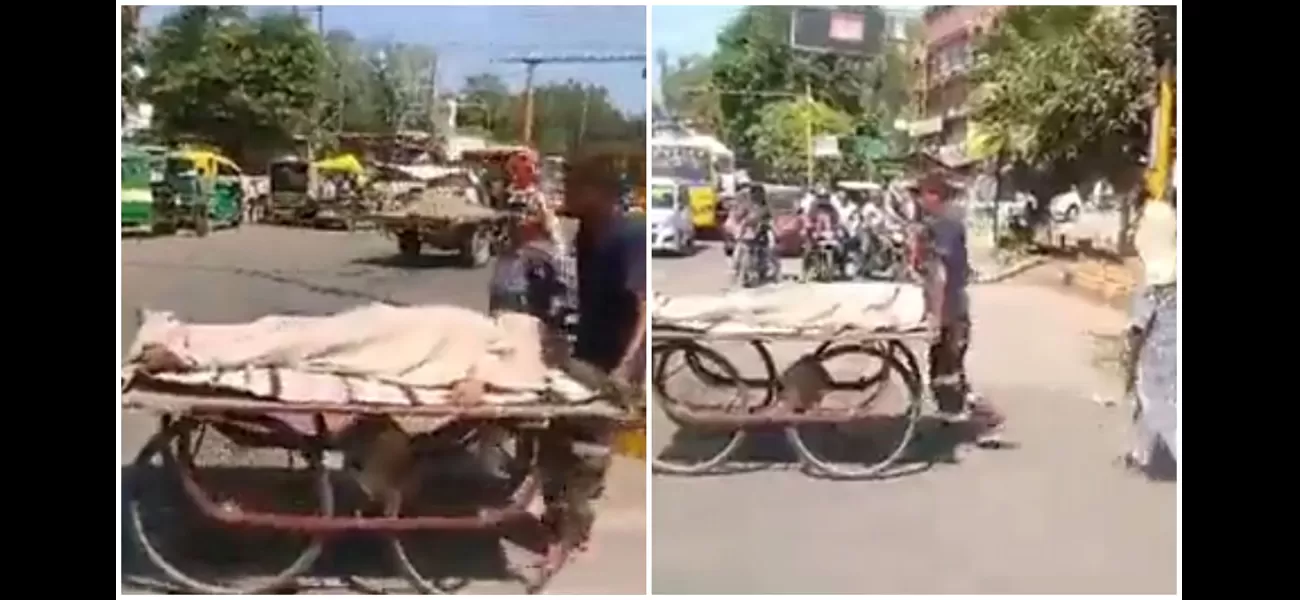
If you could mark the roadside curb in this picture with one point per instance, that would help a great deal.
(1011, 270)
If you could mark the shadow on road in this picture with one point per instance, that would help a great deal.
(364, 562)
(859, 444)
(274, 277)
(423, 261)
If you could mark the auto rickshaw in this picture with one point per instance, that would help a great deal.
(290, 202)
(200, 189)
(341, 196)
(137, 193)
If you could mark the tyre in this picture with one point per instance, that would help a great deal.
(408, 244)
(476, 249)
(855, 450)
(213, 566)
(1072, 214)
(695, 449)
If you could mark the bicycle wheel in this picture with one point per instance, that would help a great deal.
(856, 450)
(694, 449)
(223, 561)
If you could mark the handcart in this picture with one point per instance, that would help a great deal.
(876, 320)
(361, 465)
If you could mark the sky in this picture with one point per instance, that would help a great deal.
(469, 38)
(686, 30)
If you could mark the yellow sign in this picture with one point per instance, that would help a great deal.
(980, 144)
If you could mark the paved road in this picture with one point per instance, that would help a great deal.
(1049, 516)
(244, 274)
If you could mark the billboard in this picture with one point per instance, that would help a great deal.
(847, 31)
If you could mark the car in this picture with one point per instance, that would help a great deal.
(1066, 207)
(669, 216)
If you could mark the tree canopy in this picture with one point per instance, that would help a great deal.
(217, 75)
(1065, 88)
(565, 115)
(754, 64)
(255, 85)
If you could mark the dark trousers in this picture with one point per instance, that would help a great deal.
(948, 380)
(574, 457)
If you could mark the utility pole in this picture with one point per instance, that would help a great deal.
(808, 131)
(531, 61)
(582, 124)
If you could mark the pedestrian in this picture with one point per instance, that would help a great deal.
(939, 256)
(1153, 339)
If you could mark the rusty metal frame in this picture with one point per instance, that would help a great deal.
(253, 422)
(768, 413)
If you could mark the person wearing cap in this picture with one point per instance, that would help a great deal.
(939, 256)
(1153, 338)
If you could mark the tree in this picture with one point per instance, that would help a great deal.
(1064, 89)
(246, 85)
(781, 137)
(565, 115)
(132, 56)
(754, 55)
(688, 95)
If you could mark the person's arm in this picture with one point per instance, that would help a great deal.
(634, 253)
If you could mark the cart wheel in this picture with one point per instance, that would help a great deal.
(187, 534)
(408, 244)
(855, 450)
(414, 565)
(476, 250)
(696, 449)
(713, 378)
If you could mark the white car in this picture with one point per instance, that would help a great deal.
(1066, 207)
(669, 217)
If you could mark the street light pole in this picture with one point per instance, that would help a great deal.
(531, 66)
(808, 130)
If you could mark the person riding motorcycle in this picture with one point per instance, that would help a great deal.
(752, 221)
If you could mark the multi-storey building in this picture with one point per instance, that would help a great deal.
(943, 89)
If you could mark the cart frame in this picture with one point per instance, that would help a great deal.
(256, 423)
(736, 419)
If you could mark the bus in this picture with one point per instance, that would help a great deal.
(703, 164)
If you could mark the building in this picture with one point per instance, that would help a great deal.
(943, 90)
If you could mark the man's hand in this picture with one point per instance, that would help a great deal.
(468, 392)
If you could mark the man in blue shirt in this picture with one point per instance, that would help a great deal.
(940, 255)
(611, 261)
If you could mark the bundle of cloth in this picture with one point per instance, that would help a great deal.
(792, 309)
(376, 353)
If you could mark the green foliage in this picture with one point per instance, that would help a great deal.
(216, 75)
(754, 56)
(565, 115)
(1065, 88)
(781, 140)
(687, 93)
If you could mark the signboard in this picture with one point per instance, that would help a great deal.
(847, 31)
(826, 146)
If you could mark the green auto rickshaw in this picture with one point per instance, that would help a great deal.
(200, 190)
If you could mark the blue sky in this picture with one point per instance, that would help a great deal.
(468, 38)
(686, 30)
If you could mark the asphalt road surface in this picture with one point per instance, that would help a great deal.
(1049, 514)
(240, 275)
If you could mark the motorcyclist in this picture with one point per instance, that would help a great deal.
(752, 217)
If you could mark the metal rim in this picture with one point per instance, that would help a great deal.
(836, 470)
(172, 442)
(521, 469)
(689, 348)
